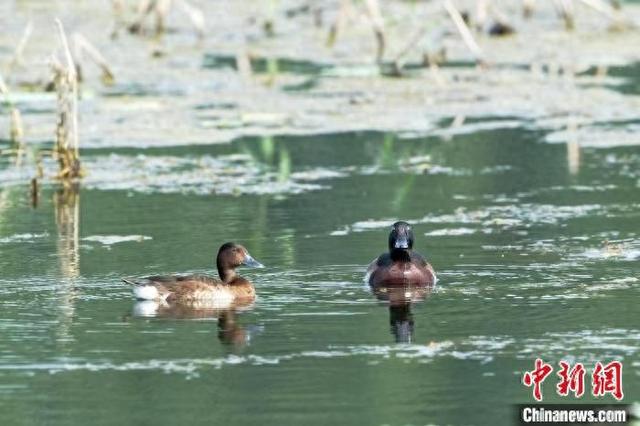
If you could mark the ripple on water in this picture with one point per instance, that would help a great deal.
(587, 345)
(23, 238)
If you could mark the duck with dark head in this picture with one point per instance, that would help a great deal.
(401, 277)
(400, 266)
(231, 289)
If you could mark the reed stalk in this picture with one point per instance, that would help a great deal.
(16, 129)
(565, 9)
(374, 14)
(34, 192)
(66, 148)
(344, 10)
(465, 32)
(161, 10)
(610, 11)
(82, 47)
(195, 15)
(372, 11)
(19, 51)
(528, 7)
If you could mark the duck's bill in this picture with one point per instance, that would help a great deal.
(402, 243)
(251, 262)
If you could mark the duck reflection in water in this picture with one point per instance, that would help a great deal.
(401, 277)
(400, 299)
(230, 331)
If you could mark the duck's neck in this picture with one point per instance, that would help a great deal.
(226, 274)
(400, 255)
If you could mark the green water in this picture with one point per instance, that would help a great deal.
(515, 228)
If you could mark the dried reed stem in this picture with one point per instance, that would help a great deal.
(373, 12)
(399, 59)
(17, 54)
(16, 129)
(145, 7)
(528, 7)
(34, 192)
(607, 10)
(482, 12)
(464, 31)
(66, 83)
(3, 87)
(161, 10)
(565, 8)
(243, 64)
(338, 26)
(437, 75)
(82, 45)
(196, 16)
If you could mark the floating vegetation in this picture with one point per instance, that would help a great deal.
(490, 219)
(23, 238)
(108, 240)
(625, 250)
(479, 348)
(231, 175)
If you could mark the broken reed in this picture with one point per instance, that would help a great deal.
(161, 10)
(16, 130)
(66, 148)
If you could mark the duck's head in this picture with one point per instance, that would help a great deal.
(231, 256)
(400, 237)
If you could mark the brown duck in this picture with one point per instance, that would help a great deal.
(229, 289)
(400, 266)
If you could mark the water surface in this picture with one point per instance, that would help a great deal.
(536, 247)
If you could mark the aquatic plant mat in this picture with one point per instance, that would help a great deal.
(239, 80)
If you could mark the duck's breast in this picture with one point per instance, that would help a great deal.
(389, 273)
(242, 290)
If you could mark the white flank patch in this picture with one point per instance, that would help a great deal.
(222, 300)
(146, 292)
